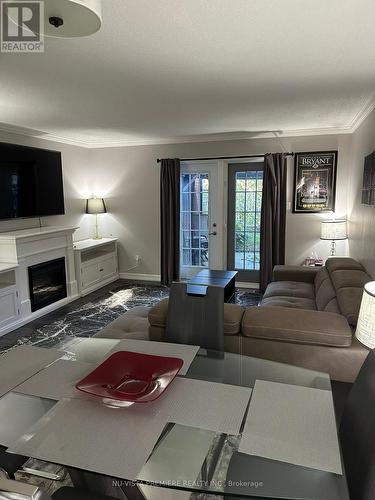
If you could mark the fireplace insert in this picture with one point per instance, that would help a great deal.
(47, 282)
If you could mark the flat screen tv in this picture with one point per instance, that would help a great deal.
(31, 183)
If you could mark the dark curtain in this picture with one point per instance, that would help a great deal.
(273, 219)
(170, 220)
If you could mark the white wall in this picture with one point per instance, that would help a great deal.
(361, 217)
(129, 179)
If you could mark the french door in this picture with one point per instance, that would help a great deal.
(245, 185)
(201, 225)
(220, 217)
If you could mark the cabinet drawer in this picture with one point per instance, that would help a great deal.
(107, 267)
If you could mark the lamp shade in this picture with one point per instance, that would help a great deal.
(365, 332)
(95, 206)
(334, 229)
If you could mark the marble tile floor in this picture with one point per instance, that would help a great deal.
(87, 315)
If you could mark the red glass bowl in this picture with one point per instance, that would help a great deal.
(131, 376)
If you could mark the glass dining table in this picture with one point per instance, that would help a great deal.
(190, 462)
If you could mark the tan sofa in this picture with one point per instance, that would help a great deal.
(307, 318)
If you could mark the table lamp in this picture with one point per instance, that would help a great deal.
(333, 230)
(365, 331)
(96, 206)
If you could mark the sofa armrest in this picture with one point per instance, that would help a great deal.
(301, 326)
(295, 273)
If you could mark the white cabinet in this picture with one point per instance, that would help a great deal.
(96, 263)
(9, 306)
(9, 299)
(89, 274)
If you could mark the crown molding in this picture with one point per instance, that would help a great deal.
(358, 119)
(226, 136)
(363, 113)
(186, 139)
(38, 134)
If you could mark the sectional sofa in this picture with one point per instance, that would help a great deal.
(307, 317)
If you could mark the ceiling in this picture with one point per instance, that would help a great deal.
(179, 70)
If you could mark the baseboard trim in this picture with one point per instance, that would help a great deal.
(140, 277)
(245, 284)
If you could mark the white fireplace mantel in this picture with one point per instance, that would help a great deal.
(21, 249)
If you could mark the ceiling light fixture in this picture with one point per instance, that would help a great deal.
(72, 18)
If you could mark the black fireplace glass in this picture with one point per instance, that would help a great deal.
(47, 282)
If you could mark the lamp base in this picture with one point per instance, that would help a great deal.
(333, 248)
(97, 235)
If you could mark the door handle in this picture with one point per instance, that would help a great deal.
(214, 233)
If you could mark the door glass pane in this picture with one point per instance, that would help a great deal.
(240, 201)
(194, 219)
(240, 221)
(204, 224)
(185, 220)
(185, 202)
(186, 257)
(186, 239)
(251, 183)
(185, 179)
(248, 203)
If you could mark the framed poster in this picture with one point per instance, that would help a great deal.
(315, 182)
(368, 188)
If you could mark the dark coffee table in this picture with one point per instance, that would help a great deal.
(206, 277)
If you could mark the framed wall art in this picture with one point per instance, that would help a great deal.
(368, 187)
(315, 182)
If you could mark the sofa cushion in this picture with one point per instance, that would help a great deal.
(290, 289)
(345, 278)
(332, 306)
(292, 302)
(113, 333)
(334, 263)
(306, 274)
(326, 296)
(348, 277)
(157, 315)
(297, 326)
(233, 313)
(341, 363)
(349, 300)
(132, 324)
(321, 276)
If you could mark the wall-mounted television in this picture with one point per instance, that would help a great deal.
(31, 183)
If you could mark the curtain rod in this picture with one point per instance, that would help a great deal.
(225, 157)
